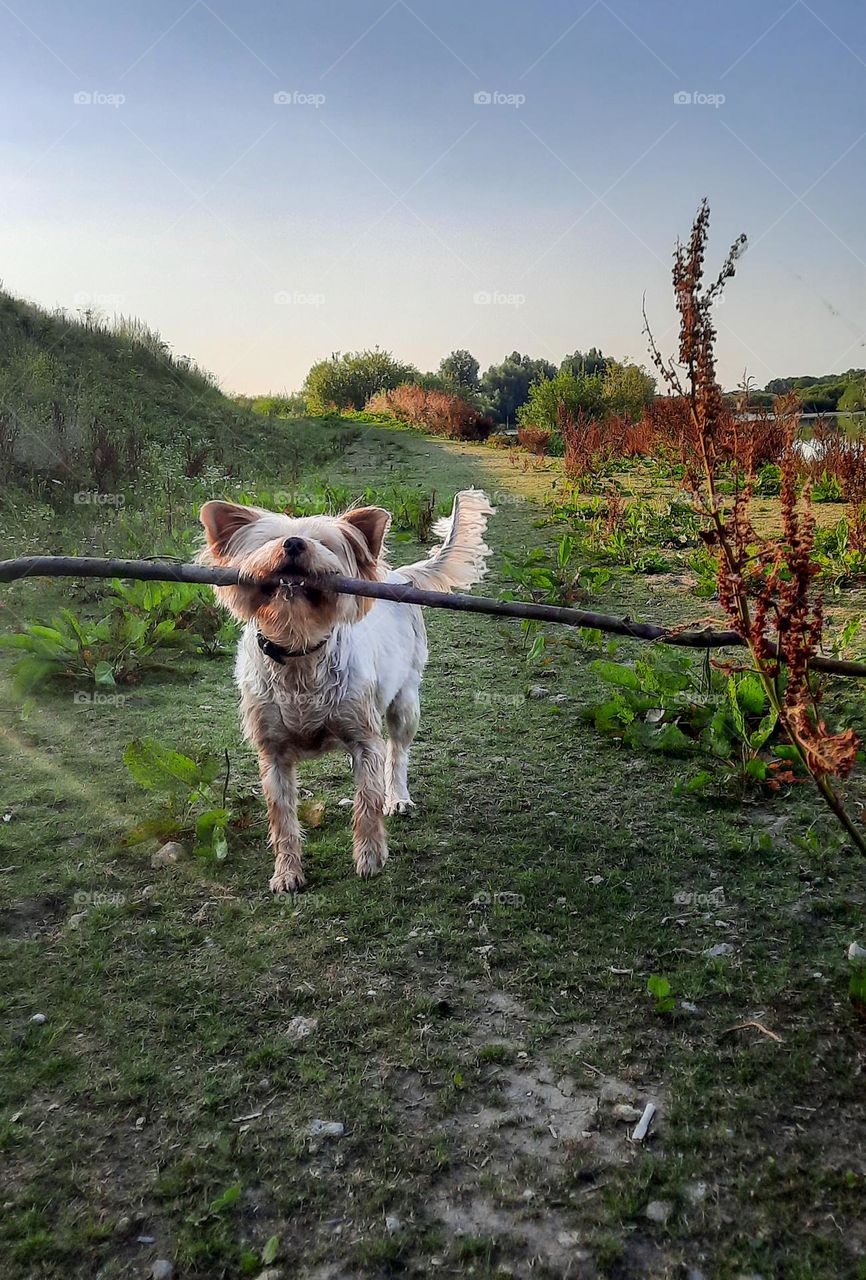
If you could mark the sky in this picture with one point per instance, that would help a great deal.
(267, 183)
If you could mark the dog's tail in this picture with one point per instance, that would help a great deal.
(460, 560)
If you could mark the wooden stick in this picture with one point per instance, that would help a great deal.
(401, 593)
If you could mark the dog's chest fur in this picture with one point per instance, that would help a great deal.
(306, 705)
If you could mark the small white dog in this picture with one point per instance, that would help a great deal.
(318, 671)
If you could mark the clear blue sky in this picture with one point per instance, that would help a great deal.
(381, 200)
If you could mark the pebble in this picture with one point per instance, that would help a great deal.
(271, 1273)
(299, 1028)
(168, 854)
(720, 949)
(856, 952)
(537, 691)
(393, 1225)
(688, 1007)
(40, 1019)
(625, 1111)
(696, 1192)
(75, 920)
(658, 1211)
(326, 1129)
(162, 1269)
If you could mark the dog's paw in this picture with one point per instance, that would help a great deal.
(290, 881)
(398, 804)
(370, 861)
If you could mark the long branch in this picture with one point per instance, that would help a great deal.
(400, 593)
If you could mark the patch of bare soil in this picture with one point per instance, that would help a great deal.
(535, 1153)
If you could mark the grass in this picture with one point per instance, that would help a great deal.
(498, 967)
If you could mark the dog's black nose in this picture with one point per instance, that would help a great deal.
(293, 547)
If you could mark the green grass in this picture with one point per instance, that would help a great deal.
(163, 1097)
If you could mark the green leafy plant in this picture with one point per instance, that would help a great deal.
(660, 990)
(111, 651)
(190, 805)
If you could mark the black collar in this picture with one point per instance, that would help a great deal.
(278, 653)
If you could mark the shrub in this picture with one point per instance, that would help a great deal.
(534, 439)
(439, 412)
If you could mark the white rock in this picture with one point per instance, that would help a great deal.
(40, 1019)
(393, 1225)
(625, 1111)
(162, 1269)
(168, 854)
(688, 1007)
(75, 919)
(271, 1273)
(299, 1028)
(856, 952)
(720, 949)
(326, 1129)
(658, 1210)
(537, 691)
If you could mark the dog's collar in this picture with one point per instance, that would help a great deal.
(278, 652)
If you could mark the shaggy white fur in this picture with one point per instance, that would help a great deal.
(340, 665)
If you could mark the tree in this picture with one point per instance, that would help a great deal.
(347, 381)
(505, 387)
(578, 363)
(460, 371)
(853, 398)
(627, 389)
(565, 391)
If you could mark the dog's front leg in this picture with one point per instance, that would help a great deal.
(280, 784)
(370, 844)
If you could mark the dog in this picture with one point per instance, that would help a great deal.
(318, 671)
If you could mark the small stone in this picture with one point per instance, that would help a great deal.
(75, 919)
(39, 1019)
(537, 691)
(299, 1028)
(856, 952)
(695, 1274)
(162, 1269)
(393, 1225)
(528, 1194)
(326, 1129)
(345, 803)
(148, 891)
(169, 853)
(559, 699)
(720, 949)
(271, 1273)
(688, 1007)
(145, 1240)
(122, 1226)
(658, 1211)
(626, 1112)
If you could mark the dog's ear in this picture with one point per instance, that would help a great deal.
(222, 520)
(372, 524)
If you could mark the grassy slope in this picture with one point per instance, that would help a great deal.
(473, 1051)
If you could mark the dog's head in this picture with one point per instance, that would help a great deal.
(265, 543)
